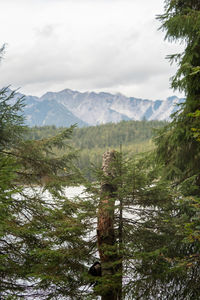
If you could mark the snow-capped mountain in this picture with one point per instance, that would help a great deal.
(69, 107)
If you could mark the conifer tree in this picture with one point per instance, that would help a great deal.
(42, 232)
(168, 268)
(177, 146)
(131, 208)
(163, 242)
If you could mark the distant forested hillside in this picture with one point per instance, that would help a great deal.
(134, 136)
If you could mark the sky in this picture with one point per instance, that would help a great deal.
(86, 45)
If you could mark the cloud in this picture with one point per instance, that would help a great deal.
(84, 45)
(46, 32)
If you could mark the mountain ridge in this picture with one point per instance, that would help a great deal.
(68, 107)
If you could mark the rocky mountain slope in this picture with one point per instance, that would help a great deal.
(69, 107)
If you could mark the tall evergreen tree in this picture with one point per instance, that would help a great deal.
(177, 146)
(42, 232)
(162, 243)
(168, 268)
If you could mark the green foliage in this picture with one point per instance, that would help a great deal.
(159, 244)
(104, 136)
(166, 243)
(178, 149)
(181, 22)
(92, 142)
(178, 145)
(42, 233)
(10, 120)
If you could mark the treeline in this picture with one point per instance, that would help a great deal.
(112, 135)
(101, 136)
(92, 142)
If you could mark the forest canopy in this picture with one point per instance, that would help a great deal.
(92, 142)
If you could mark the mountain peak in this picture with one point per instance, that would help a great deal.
(172, 98)
(68, 91)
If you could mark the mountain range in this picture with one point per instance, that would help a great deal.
(68, 107)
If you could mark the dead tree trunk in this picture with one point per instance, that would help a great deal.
(107, 245)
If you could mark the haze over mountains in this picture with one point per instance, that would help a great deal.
(68, 107)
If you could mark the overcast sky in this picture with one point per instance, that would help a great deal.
(85, 45)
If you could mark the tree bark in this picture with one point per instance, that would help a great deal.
(107, 245)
